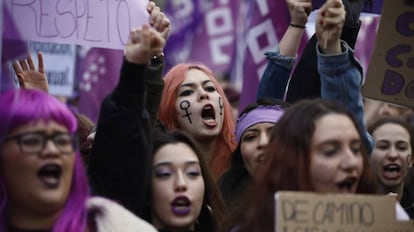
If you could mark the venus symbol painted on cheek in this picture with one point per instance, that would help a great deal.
(221, 105)
(184, 105)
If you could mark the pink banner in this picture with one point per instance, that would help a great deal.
(93, 23)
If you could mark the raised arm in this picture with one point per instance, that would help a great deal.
(340, 73)
(276, 75)
(120, 162)
(305, 80)
(154, 82)
(28, 76)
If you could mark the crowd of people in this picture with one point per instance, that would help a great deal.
(167, 155)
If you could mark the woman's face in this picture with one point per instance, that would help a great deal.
(336, 159)
(177, 187)
(391, 110)
(37, 180)
(252, 145)
(391, 157)
(199, 106)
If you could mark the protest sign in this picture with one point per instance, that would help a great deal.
(300, 211)
(95, 23)
(59, 60)
(390, 75)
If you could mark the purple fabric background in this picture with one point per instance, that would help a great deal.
(192, 41)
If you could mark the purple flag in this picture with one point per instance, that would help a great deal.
(99, 74)
(264, 25)
(203, 31)
(11, 49)
(366, 40)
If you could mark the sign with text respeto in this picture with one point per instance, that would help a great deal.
(390, 75)
(96, 23)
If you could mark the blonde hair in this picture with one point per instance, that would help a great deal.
(220, 159)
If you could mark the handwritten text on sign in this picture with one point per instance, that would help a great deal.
(98, 23)
(390, 73)
(60, 65)
(310, 212)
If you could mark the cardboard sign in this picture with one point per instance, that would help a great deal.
(312, 212)
(390, 75)
(96, 23)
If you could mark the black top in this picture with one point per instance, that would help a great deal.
(120, 162)
(407, 202)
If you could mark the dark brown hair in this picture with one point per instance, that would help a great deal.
(288, 162)
(212, 211)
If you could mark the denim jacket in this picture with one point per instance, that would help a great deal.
(276, 76)
(341, 81)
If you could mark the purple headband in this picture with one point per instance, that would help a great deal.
(270, 113)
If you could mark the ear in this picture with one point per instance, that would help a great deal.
(410, 160)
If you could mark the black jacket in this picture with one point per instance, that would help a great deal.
(120, 163)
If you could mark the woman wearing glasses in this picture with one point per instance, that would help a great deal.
(43, 186)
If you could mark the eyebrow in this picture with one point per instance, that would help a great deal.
(190, 84)
(336, 142)
(168, 163)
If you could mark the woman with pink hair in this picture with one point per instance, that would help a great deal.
(193, 101)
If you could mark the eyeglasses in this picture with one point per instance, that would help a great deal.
(35, 142)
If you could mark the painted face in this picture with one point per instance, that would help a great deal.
(391, 157)
(38, 182)
(199, 106)
(253, 143)
(177, 187)
(336, 159)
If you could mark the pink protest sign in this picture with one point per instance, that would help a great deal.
(97, 23)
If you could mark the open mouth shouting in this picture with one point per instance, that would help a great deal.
(181, 206)
(208, 115)
(50, 175)
(348, 185)
(391, 171)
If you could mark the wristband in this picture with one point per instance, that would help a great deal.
(156, 60)
(298, 26)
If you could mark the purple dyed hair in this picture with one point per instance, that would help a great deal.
(20, 107)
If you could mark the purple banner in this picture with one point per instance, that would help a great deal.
(203, 31)
(366, 40)
(99, 74)
(265, 23)
(11, 49)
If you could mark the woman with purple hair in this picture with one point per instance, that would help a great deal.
(43, 186)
